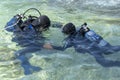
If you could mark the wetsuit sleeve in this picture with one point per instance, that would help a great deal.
(66, 44)
(56, 24)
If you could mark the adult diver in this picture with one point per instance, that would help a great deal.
(27, 33)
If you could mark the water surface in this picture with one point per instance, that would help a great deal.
(101, 16)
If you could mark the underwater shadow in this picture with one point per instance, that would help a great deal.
(30, 43)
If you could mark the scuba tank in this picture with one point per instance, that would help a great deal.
(18, 22)
(13, 23)
(92, 36)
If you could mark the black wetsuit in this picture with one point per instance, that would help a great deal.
(28, 39)
(82, 45)
(31, 42)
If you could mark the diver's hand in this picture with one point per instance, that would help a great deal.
(47, 46)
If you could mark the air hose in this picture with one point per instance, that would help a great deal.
(31, 9)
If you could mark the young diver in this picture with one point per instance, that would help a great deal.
(28, 34)
(85, 40)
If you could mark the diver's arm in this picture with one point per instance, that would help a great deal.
(55, 24)
(49, 46)
(66, 45)
(61, 48)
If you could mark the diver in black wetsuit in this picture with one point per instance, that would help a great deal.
(28, 34)
(85, 40)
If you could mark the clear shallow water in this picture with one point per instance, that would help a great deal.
(101, 16)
